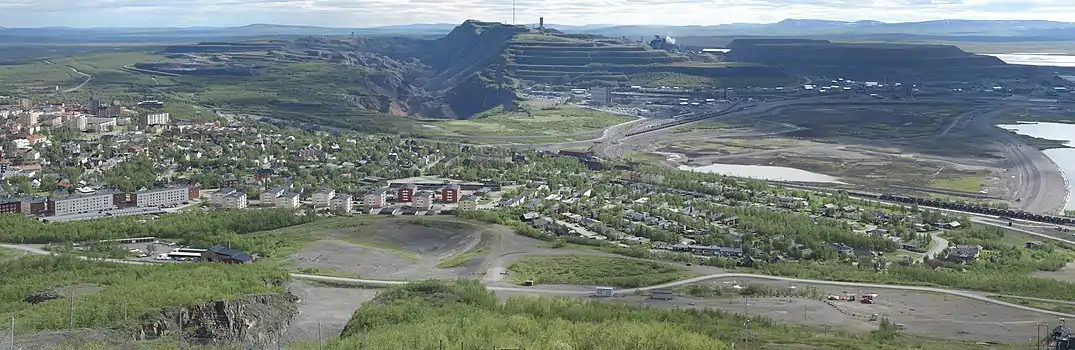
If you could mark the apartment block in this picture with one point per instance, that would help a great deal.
(152, 119)
(376, 199)
(235, 200)
(10, 205)
(163, 197)
(423, 200)
(405, 193)
(289, 200)
(65, 204)
(449, 194)
(468, 203)
(268, 198)
(323, 198)
(219, 197)
(341, 203)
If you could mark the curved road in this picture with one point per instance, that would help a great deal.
(979, 296)
(941, 245)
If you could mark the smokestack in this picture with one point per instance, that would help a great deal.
(541, 22)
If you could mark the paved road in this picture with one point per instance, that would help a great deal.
(941, 245)
(88, 77)
(966, 294)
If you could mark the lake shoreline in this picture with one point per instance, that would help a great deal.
(1063, 158)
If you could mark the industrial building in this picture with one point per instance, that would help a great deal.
(601, 96)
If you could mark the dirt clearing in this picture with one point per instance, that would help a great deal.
(394, 249)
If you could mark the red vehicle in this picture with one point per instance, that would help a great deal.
(867, 299)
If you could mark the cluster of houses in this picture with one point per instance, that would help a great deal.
(422, 196)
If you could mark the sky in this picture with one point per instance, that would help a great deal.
(372, 13)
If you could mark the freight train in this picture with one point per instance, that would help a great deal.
(971, 208)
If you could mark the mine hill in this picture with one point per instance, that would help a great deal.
(876, 61)
(480, 65)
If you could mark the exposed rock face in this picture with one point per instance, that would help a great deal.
(871, 61)
(43, 296)
(253, 319)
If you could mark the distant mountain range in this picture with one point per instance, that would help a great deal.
(955, 30)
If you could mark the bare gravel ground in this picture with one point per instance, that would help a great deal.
(328, 306)
(922, 313)
(393, 249)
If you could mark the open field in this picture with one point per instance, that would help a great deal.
(924, 314)
(594, 270)
(549, 122)
(392, 248)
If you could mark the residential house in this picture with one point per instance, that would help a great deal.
(289, 200)
(423, 200)
(405, 193)
(226, 255)
(964, 253)
(468, 203)
(323, 197)
(376, 199)
(341, 203)
(841, 248)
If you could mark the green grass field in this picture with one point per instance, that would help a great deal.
(691, 81)
(551, 122)
(594, 270)
(970, 184)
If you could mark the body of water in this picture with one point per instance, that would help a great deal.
(1063, 157)
(1037, 59)
(763, 172)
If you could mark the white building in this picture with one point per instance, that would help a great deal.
(288, 200)
(21, 143)
(151, 119)
(235, 200)
(341, 203)
(78, 122)
(82, 203)
(423, 200)
(219, 197)
(163, 197)
(376, 199)
(323, 198)
(100, 124)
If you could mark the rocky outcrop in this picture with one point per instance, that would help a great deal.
(253, 319)
(43, 296)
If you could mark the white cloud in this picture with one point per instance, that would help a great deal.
(368, 13)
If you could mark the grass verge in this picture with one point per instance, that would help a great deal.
(1044, 305)
(595, 270)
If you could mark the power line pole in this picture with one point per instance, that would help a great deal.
(12, 332)
(512, 12)
(179, 334)
(320, 342)
(71, 318)
(365, 335)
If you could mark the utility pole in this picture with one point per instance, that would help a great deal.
(179, 335)
(365, 335)
(512, 12)
(320, 342)
(12, 332)
(71, 318)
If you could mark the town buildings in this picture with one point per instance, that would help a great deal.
(65, 204)
(323, 197)
(218, 198)
(423, 200)
(341, 203)
(468, 203)
(234, 200)
(268, 197)
(405, 193)
(376, 199)
(164, 197)
(10, 205)
(219, 253)
(153, 119)
(289, 200)
(601, 95)
(449, 194)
